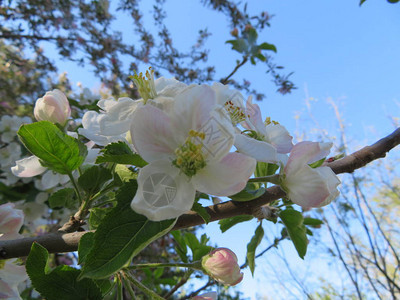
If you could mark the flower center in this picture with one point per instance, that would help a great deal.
(235, 112)
(269, 121)
(145, 84)
(189, 156)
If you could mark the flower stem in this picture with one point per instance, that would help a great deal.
(142, 287)
(78, 194)
(195, 265)
(275, 179)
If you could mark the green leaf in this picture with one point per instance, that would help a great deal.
(124, 173)
(362, 1)
(248, 193)
(85, 244)
(63, 198)
(293, 221)
(260, 57)
(251, 36)
(93, 179)
(180, 247)
(312, 222)
(105, 285)
(252, 246)
(225, 224)
(317, 163)
(201, 210)
(55, 149)
(97, 214)
(240, 45)
(60, 283)
(120, 153)
(198, 249)
(121, 235)
(266, 46)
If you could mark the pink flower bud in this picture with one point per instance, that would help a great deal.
(11, 219)
(53, 107)
(221, 264)
(235, 32)
(207, 296)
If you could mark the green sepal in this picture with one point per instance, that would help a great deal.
(265, 169)
(317, 164)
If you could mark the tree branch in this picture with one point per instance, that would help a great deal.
(67, 242)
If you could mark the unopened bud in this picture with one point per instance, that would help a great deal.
(248, 27)
(221, 264)
(235, 32)
(53, 107)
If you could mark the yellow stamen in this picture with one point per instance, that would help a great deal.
(189, 156)
(145, 84)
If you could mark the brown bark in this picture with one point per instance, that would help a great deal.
(66, 242)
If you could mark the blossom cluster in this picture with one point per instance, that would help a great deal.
(188, 135)
(194, 139)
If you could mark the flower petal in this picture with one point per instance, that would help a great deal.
(332, 182)
(261, 151)
(306, 187)
(163, 192)
(226, 177)
(118, 118)
(255, 121)
(152, 134)
(306, 152)
(28, 167)
(279, 137)
(91, 129)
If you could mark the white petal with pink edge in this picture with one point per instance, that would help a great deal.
(306, 187)
(118, 118)
(226, 177)
(152, 134)
(28, 167)
(305, 153)
(163, 193)
(254, 121)
(279, 137)
(260, 150)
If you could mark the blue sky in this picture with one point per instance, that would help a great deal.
(336, 50)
